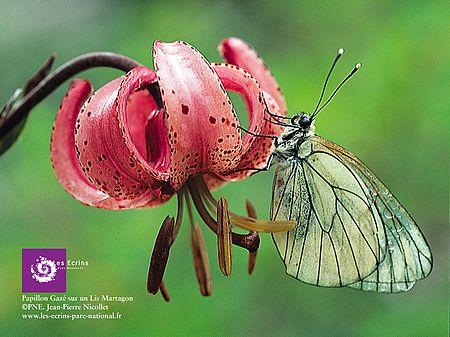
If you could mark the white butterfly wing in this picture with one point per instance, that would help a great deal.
(408, 257)
(343, 236)
(338, 239)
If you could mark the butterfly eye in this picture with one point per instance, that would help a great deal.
(305, 121)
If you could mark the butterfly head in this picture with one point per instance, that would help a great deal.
(301, 126)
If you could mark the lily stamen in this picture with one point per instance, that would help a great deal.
(201, 261)
(251, 212)
(160, 255)
(224, 236)
(199, 254)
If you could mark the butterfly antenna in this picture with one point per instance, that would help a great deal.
(338, 56)
(354, 70)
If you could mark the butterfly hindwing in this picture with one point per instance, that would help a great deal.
(407, 255)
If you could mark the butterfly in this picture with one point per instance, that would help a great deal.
(350, 230)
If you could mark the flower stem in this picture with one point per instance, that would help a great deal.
(179, 218)
(59, 76)
(251, 212)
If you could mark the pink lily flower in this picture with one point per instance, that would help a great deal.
(148, 135)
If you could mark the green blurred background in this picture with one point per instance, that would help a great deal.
(393, 114)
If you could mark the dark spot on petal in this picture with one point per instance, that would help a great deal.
(184, 109)
(212, 120)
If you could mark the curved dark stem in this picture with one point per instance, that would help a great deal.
(62, 74)
(179, 218)
(200, 206)
(249, 241)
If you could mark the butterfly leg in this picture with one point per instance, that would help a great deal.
(255, 134)
(257, 170)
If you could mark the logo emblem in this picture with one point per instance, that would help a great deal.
(43, 270)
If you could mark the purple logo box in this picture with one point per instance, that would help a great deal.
(44, 270)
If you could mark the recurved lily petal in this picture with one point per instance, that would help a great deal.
(256, 158)
(201, 121)
(236, 51)
(108, 146)
(64, 159)
(256, 149)
(240, 81)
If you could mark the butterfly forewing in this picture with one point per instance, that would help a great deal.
(407, 255)
(339, 238)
